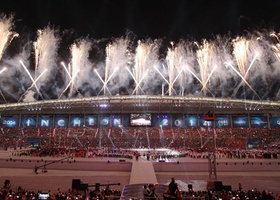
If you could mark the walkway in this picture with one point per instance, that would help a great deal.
(142, 172)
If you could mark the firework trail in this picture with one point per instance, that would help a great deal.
(144, 60)
(6, 33)
(142, 67)
(6, 36)
(79, 54)
(276, 50)
(205, 53)
(174, 59)
(79, 68)
(171, 67)
(110, 70)
(240, 52)
(118, 61)
(241, 48)
(45, 49)
(276, 47)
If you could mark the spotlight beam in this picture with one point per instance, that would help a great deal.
(138, 84)
(69, 75)
(33, 84)
(106, 82)
(135, 80)
(198, 79)
(36, 87)
(244, 80)
(2, 70)
(208, 78)
(68, 84)
(3, 96)
(245, 76)
(163, 78)
(178, 75)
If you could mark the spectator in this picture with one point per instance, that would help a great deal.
(173, 191)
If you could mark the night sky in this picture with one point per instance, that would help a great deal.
(169, 19)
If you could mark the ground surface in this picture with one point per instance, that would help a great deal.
(252, 173)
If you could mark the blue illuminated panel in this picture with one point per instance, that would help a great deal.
(104, 121)
(205, 123)
(45, 121)
(61, 121)
(191, 121)
(222, 121)
(240, 121)
(178, 121)
(91, 121)
(274, 122)
(10, 121)
(258, 122)
(76, 121)
(164, 121)
(116, 120)
(28, 121)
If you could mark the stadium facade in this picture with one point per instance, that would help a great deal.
(161, 111)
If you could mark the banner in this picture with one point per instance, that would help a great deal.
(28, 121)
(76, 121)
(127, 120)
(104, 121)
(240, 121)
(165, 121)
(178, 121)
(274, 122)
(205, 123)
(10, 121)
(222, 121)
(116, 120)
(61, 121)
(258, 122)
(191, 121)
(91, 121)
(45, 121)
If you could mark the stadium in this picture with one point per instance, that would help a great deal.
(131, 96)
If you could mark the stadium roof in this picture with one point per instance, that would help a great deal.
(142, 104)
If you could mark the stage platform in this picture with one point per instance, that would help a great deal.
(142, 172)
